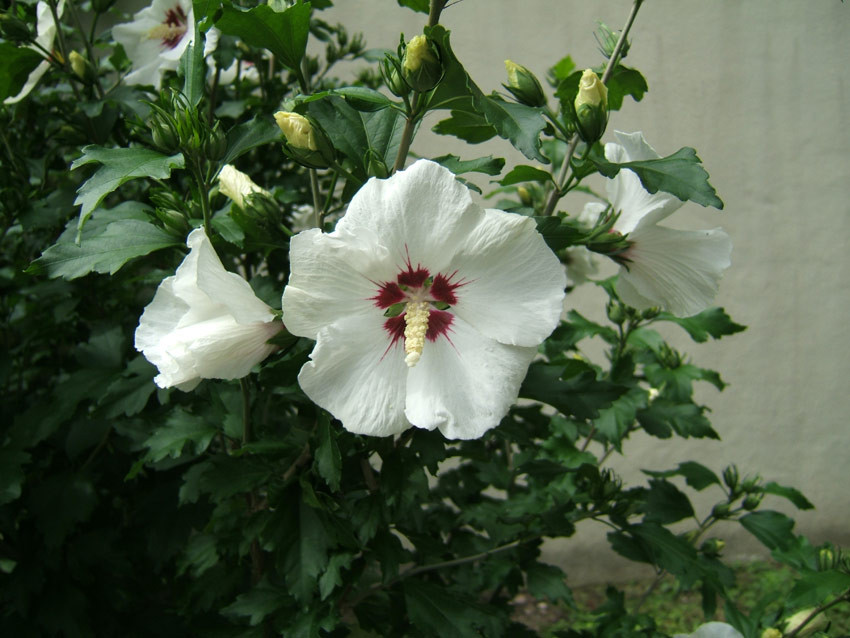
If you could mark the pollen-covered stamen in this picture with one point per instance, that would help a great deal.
(416, 326)
(172, 29)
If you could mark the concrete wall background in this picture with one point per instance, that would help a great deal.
(760, 89)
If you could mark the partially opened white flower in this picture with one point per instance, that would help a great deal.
(713, 630)
(677, 270)
(204, 322)
(236, 185)
(156, 39)
(426, 309)
(45, 34)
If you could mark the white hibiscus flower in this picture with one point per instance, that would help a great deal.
(204, 322)
(156, 39)
(426, 309)
(677, 270)
(713, 630)
(45, 35)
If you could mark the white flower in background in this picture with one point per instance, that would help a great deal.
(677, 270)
(236, 185)
(45, 34)
(204, 322)
(156, 39)
(426, 309)
(580, 262)
(713, 630)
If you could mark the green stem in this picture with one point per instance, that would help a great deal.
(89, 51)
(556, 194)
(204, 192)
(407, 134)
(845, 597)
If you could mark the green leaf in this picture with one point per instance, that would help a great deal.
(363, 98)
(773, 529)
(614, 421)
(249, 135)
(284, 33)
(182, 429)
(666, 504)
(625, 81)
(792, 494)
(60, 502)
(306, 554)
(332, 577)
(572, 389)
(518, 123)
(469, 127)
(12, 477)
(257, 603)
(696, 475)
(488, 165)
(713, 322)
(548, 581)
(16, 64)
(523, 173)
(120, 165)
(561, 233)
(193, 68)
(680, 174)
(435, 611)
(328, 457)
(105, 252)
(669, 551)
(815, 588)
(563, 68)
(687, 419)
(417, 5)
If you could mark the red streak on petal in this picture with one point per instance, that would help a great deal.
(443, 289)
(175, 17)
(388, 295)
(395, 326)
(413, 278)
(439, 323)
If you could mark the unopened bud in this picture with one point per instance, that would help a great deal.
(215, 146)
(615, 312)
(14, 29)
(524, 85)
(796, 621)
(752, 501)
(607, 40)
(297, 130)
(102, 6)
(751, 483)
(79, 66)
(236, 185)
(164, 134)
(826, 559)
(771, 632)
(720, 510)
(391, 70)
(173, 220)
(591, 106)
(712, 547)
(730, 477)
(524, 196)
(375, 165)
(420, 65)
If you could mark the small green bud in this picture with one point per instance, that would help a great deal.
(591, 106)
(173, 220)
(524, 196)
(262, 205)
(771, 632)
(752, 501)
(375, 165)
(607, 40)
(215, 146)
(826, 559)
(164, 134)
(391, 71)
(524, 85)
(751, 483)
(650, 313)
(730, 477)
(420, 65)
(14, 29)
(721, 510)
(712, 547)
(615, 312)
(78, 64)
(102, 6)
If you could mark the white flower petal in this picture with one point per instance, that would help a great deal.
(353, 376)
(465, 384)
(421, 213)
(713, 630)
(45, 34)
(626, 192)
(512, 283)
(677, 270)
(333, 276)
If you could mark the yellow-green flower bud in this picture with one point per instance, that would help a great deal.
(815, 624)
(591, 106)
(78, 64)
(752, 501)
(524, 85)
(712, 547)
(524, 196)
(826, 559)
(771, 632)
(420, 65)
(297, 130)
(730, 477)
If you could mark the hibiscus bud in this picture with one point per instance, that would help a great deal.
(236, 185)
(591, 106)
(721, 510)
(771, 632)
(375, 165)
(826, 559)
(730, 477)
(173, 220)
(796, 621)
(712, 547)
(102, 6)
(524, 196)
(14, 29)
(751, 483)
(420, 65)
(215, 146)
(81, 68)
(752, 501)
(607, 40)
(165, 135)
(616, 313)
(297, 130)
(524, 85)
(391, 71)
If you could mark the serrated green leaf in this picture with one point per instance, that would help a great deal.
(469, 127)
(547, 581)
(687, 419)
(696, 475)
(792, 494)
(713, 322)
(16, 64)
(332, 578)
(488, 165)
(572, 388)
(517, 123)
(437, 612)
(248, 135)
(614, 421)
(666, 504)
(625, 81)
(773, 529)
(306, 554)
(561, 233)
(119, 165)
(417, 5)
(181, 429)
(257, 603)
(815, 588)
(680, 174)
(523, 173)
(103, 253)
(283, 33)
(328, 457)
(192, 67)
(563, 68)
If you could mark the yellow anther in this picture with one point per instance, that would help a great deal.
(416, 325)
(166, 32)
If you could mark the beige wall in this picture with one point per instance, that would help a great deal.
(760, 89)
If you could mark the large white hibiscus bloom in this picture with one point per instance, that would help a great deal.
(426, 309)
(156, 39)
(713, 630)
(45, 34)
(677, 270)
(204, 322)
